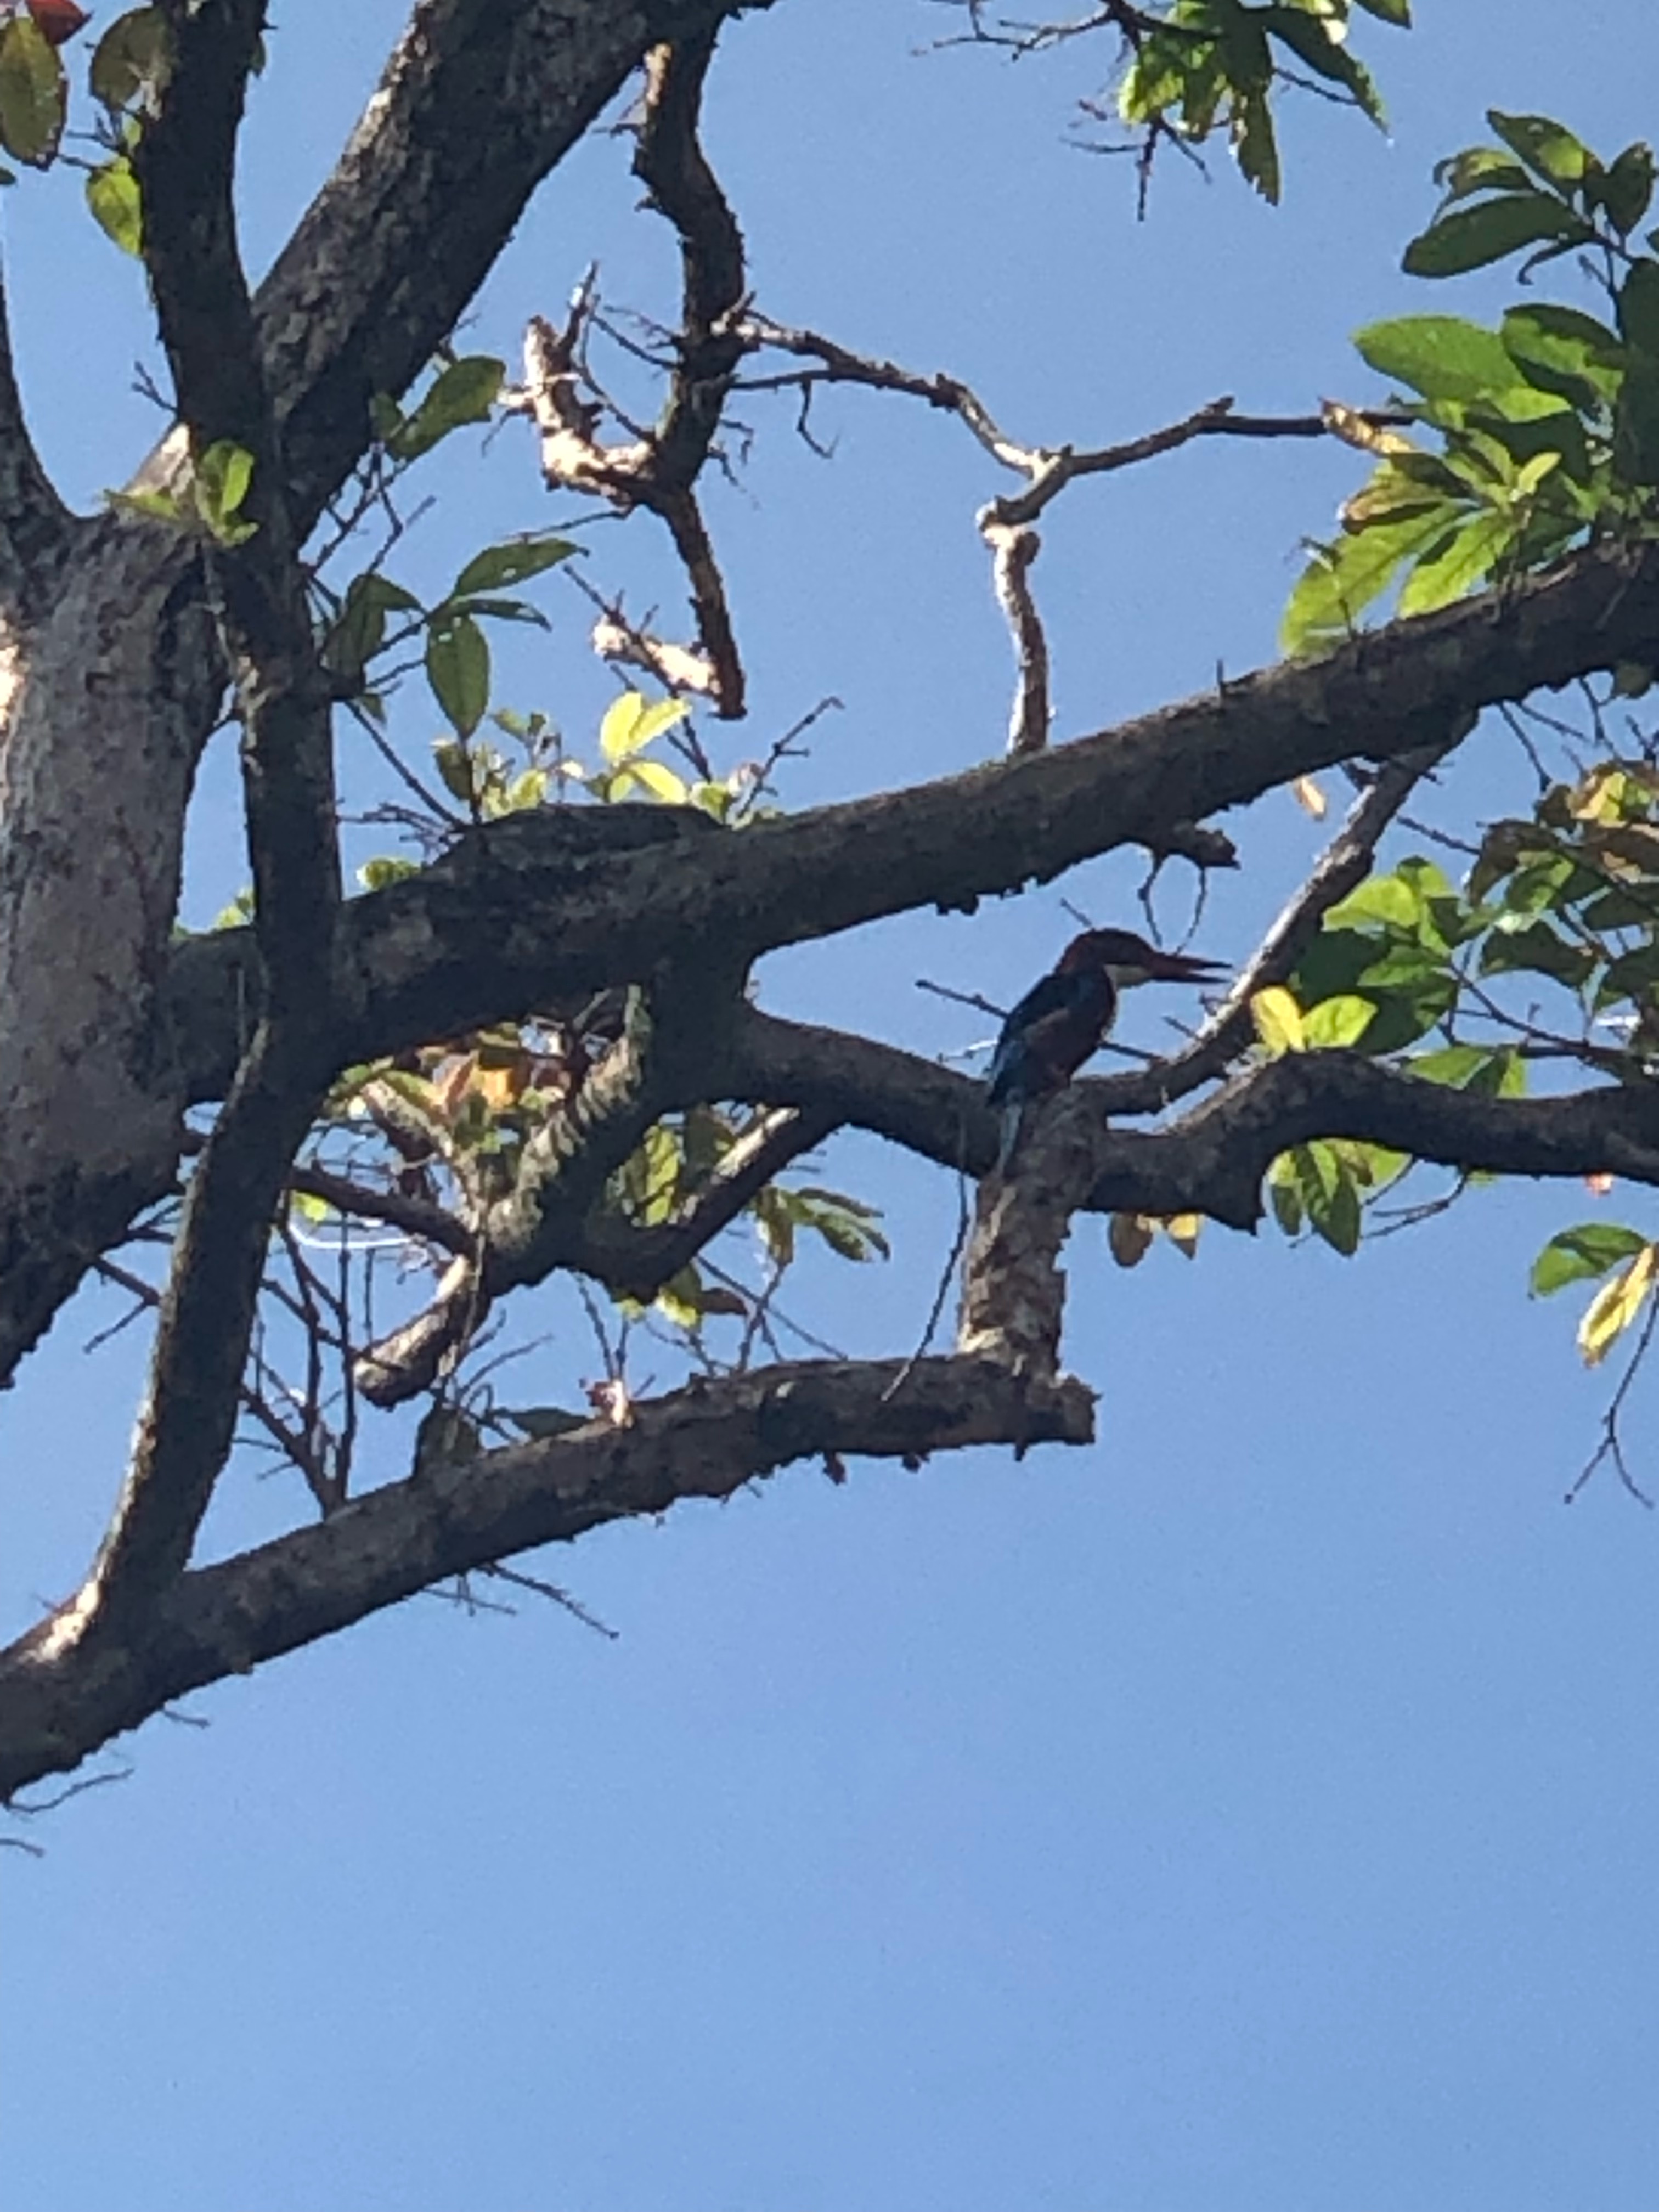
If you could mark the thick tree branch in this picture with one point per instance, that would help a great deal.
(479, 101)
(36, 528)
(184, 162)
(61, 1698)
(1211, 1159)
(566, 901)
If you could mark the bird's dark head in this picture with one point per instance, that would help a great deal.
(1127, 960)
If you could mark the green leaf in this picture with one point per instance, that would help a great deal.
(1389, 11)
(455, 771)
(513, 563)
(1316, 41)
(1536, 949)
(775, 1220)
(389, 868)
(1454, 1066)
(1471, 237)
(1480, 169)
(458, 669)
(1441, 357)
(112, 197)
(496, 610)
(1638, 308)
(1342, 580)
(161, 506)
(1336, 1023)
(1283, 1196)
(1391, 900)
(1562, 351)
(1635, 424)
(1548, 148)
(1329, 1195)
(1255, 144)
(1581, 1255)
(680, 1299)
(846, 1224)
(464, 393)
(222, 478)
(539, 1421)
(1465, 559)
(1501, 1074)
(1625, 190)
(132, 58)
(34, 92)
(359, 629)
(633, 721)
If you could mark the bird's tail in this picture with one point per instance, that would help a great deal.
(1013, 1120)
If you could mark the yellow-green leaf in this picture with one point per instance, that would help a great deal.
(1616, 1305)
(633, 721)
(112, 198)
(651, 775)
(1278, 1020)
(1337, 1022)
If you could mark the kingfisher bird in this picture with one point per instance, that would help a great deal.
(1064, 1019)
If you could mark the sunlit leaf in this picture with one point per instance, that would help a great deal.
(112, 197)
(633, 721)
(1391, 900)
(1616, 1305)
(649, 775)
(1342, 580)
(1467, 559)
(1278, 1020)
(1576, 1255)
(464, 393)
(1441, 357)
(1337, 1023)
(1547, 147)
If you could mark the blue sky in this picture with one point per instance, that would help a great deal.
(1256, 1810)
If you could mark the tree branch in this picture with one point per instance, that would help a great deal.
(477, 104)
(185, 162)
(567, 901)
(61, 1698)
(36, 528)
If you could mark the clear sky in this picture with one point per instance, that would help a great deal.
(1256, 1813)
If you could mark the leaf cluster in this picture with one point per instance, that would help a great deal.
(1546, 430)
(1212, 66)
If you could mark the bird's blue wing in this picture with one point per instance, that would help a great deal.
(1014, 1065)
